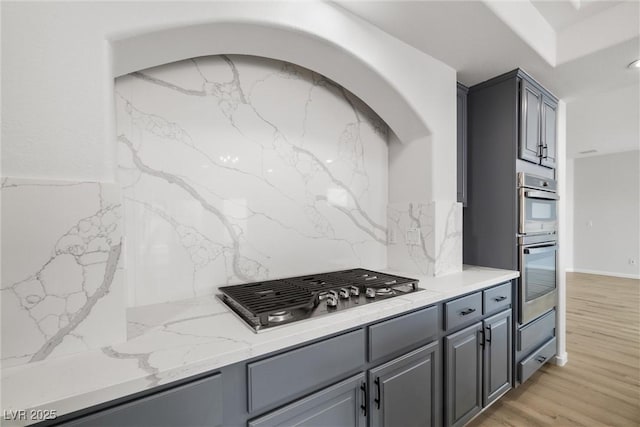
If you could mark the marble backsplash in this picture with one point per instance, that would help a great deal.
(417, 245)
(230, 170)
(237, 168)
(61, 290)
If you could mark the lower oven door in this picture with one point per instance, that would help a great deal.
(538, 279)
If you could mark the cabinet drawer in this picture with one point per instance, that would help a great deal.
(497, 298)
(537, 332)
(528, 366)
(337, 405)
(403, 332)
(197, 403)
(285, 376)
(462, 311)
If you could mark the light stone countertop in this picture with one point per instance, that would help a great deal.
(172, 341)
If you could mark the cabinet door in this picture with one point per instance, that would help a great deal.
(405, 391)
(497, 356)
(341, 404)
(463, 375)
(461, 105)
(549, 117)
(531, 99)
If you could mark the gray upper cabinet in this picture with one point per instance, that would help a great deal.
(405, 391)
(549, 118)
(338, 405)
(461, 116)
(497, 367)
(530, 113)
(538, 117)
(463, 375)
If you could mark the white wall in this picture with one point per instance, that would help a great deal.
(58, 75)
(607, 214)
(569, 214)
(563, 234)
(608, 121)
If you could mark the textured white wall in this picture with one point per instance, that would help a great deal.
(58, 75)
(607, 214)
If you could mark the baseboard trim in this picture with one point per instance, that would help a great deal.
(604, 273)
(561, 359)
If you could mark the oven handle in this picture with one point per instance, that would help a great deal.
(545, 195)
(540, 250)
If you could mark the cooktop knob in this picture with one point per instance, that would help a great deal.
(344, 293)
(332, 301)
(333, 294)
(371, 293)
(354, 290)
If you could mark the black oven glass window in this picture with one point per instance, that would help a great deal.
(540, 271)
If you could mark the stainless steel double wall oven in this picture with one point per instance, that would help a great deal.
(537, 245)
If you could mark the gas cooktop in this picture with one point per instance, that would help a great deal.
(272, 303)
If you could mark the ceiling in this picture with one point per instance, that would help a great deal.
(594, 42)
(562, 14)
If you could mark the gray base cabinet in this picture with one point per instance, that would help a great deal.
(478, 365)
(385, 374)
(338, 405)
(195, 404)
(497, 368)
(280, 379)
(463, 375)
(405, 391)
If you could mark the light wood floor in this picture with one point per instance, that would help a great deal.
(600, 385)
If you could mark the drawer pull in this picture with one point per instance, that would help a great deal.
(540, 359)
(363, 387)
(502, 298)
(377, 399)
(467, 311)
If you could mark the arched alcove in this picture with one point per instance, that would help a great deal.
(362, 73)
(406, 88)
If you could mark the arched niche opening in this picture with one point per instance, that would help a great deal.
(374, 78)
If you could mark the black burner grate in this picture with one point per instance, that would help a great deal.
(291, 293)
(372, 279)
(269, 296)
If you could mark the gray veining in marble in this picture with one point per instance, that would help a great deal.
(60, 275)
(250, 169)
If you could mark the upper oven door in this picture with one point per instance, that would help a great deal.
(538, 212)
